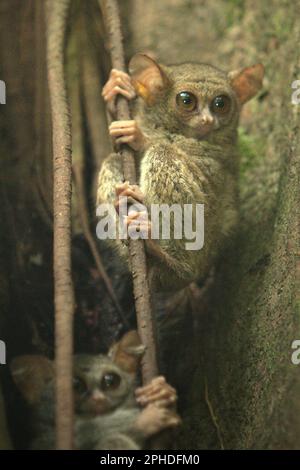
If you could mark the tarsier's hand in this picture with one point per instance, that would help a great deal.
(118, 83)
(124, 132)
(158, 392)
(127, 132)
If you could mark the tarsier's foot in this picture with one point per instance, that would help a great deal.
(154, 419)
(135, 220)
(127, 132)
(118, 83)
(158, 392)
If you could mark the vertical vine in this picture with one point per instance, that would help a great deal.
(142, 297)
(57, 14)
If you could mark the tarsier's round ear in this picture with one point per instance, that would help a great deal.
(127, 352)
(31, 373)
(148, 77)
(247, 82)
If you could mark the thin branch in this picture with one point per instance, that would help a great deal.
(145, 319)
(62, 169)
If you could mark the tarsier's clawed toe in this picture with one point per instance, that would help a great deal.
(167, 419)
(127, 204)
(131, 192)
(154, 419)
(172, 420)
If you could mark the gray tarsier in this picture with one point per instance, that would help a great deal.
(185, 135)
(110, 413)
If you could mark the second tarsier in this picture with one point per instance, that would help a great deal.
(185, 136)
(110, 413)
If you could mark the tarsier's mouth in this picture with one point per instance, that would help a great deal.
(100, 406)
(204, 129)
(99, 410)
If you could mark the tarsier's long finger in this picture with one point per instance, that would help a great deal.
(130, 200)
(160, 380)
(112, 82)
(132, 141)
(159, 400)
(118, 90)
(114, 73)
(118, 79)
(157, 389)
(118, 86)
(128, 132)
(164, 403)
(120, 73)
(136, 218)
(128, 139)
(157, 396)
(124, 128)
(130, 191)
(123, 124)
(121, 131)
(169, 418)
(173, 422)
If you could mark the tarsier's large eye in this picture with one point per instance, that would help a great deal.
(79, 385)
(110, 381)
(186, 101)
(220, 104)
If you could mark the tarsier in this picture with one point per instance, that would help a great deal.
(185, 136)
(110, 412)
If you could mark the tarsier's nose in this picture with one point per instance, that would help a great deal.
(206, 118)
(206, 123)
(98, 396)
(98, 402)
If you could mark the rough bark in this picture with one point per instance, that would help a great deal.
(57, 16)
